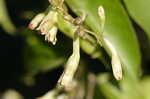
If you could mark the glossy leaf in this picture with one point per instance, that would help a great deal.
(139, 11)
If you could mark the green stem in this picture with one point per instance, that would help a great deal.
(5, 19)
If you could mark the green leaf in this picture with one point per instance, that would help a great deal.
(139, 11)
(129, 92)
(145, 84)
(118, 29)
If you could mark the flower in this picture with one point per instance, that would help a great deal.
(36, 20)
(47, 25)
(116, 63)
(51, 35)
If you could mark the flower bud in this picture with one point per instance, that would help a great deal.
(116, 63)
(101, 14)
(48, 22)
(36, 20)
(51, 35)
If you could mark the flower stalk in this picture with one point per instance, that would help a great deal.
(115, 60)
(71, 65)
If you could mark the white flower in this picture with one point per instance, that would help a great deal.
(116, 63)
(48, 22)
(51, 35)
(36, 20)
(47, 25)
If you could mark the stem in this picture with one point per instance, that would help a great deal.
(71, 65)
(5, 19)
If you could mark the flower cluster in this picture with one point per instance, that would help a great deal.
(47, 25)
